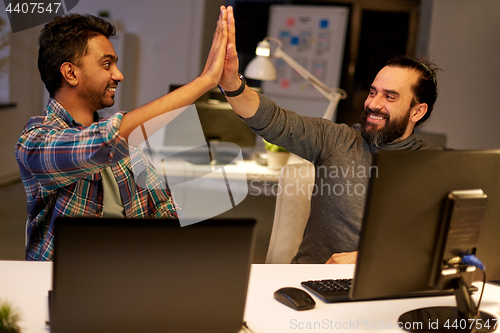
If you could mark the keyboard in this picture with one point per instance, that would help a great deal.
(331, 291)
(337, 290)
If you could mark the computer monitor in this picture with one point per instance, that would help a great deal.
(409, 217)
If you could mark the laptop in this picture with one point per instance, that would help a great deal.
(150, 275)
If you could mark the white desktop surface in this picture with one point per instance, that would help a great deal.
(264, 314)
(240, 169)
(246, 170)
(25, 285)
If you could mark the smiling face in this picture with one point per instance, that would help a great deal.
(99, 74)
(389, 115)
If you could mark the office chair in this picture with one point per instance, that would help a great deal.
(438, 139)
(293, 205)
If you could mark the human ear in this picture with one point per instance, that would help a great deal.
(418, 112)
(68, 73)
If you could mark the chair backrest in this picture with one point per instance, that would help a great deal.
(438, 139)
(293, 204)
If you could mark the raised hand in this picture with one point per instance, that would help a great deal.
(247, 102)
(230, 80)
(216, 58)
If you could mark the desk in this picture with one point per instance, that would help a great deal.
(246, 175)
(247, 169)
(264, 314)
(25, 284)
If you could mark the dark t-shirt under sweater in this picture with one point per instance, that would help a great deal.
(343, 165)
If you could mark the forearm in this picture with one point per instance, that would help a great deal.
(184, 96)
(303, 136)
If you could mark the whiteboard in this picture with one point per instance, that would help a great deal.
(314, 36)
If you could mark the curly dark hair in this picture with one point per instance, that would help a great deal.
(65, 39)
(425, 90)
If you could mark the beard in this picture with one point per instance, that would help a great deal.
(99, 99)
(96, 94)
(378, 135)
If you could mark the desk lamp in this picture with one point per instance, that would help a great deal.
(261, 68)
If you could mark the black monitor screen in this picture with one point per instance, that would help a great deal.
(404, 213)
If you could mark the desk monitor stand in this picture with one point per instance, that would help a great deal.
(463, 318)
(460, 225)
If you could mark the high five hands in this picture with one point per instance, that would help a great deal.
(215, 63)
(222, 63)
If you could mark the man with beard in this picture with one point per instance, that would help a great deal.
(73, 163)
(401, 97)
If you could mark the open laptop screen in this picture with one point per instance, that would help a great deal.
(133, 275)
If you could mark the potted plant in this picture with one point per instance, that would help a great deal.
(277, 156)
(8, 319)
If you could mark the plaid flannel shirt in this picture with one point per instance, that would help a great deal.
(60, 162)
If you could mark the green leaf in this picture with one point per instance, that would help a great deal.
(8, 319)
(272, 147)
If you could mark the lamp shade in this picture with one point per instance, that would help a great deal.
(261, 68)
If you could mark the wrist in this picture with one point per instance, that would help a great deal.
(204, 83)
(233, 85)
(236, 87)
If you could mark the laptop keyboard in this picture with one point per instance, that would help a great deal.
(330, 291)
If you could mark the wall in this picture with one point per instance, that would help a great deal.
(464, 41)
(26, 92)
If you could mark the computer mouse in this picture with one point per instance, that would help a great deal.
(295, 298)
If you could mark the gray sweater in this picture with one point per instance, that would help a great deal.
(343, 165)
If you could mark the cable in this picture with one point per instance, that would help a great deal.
(482, 289)
(471, 260)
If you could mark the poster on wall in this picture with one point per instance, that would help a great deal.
(314, 36)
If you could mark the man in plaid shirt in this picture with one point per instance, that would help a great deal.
(74, 164)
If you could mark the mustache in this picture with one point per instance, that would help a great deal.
(376, 112)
